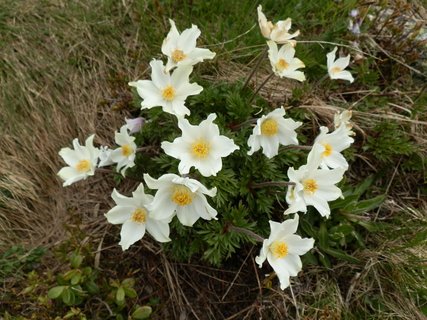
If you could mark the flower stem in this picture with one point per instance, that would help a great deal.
(248, 232)
(261, 85)
(261, 57)
(296, 147)
(271, 184)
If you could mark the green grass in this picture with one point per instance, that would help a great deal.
(64, 70)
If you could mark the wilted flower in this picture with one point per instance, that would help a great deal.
(82, 161)
(184, 197)
(283, 250)
(270, 131)
(132, 212)
(134, 125)
(313, 186)
(283, 62)
(343, 120)
(125, 155)
(333, 143)
(181, 48)
(200, 146)
(336, 68)
(278, 32)
(167, 90)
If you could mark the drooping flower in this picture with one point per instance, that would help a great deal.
(184, 197)
(270, 131)
(283, 249)
(135, 218)
(343, 120)
(105, 157)
(313, 186)
(181, 48)
(200, 146)
(278, 32)
(283, 62)
(124, 156)
(333, 144)
(81, 161)
(134, 125)
(166, 90)
(336, 67)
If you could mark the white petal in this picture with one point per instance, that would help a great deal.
(158, 75)
(344, 75)
(199, 54)
(131, 233)
(178, 108)
(204, 209)
(162, 207)
(163, 182)
(281, 270)
(297, 245)
(331, 57)
(159, 230)
(320, 204)
(292, 263)
(188, 89)
(343, 62)
(70, 175)
(169, 43)
(122, 200)
(187, 215)
(119, 214)
(223, 146)
(263, 254)
(180, 76)
(188, 38)
(70, 156)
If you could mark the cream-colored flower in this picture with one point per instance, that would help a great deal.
(278, 32)
(168, 91)
(124, 156)
(283, 249)
(343, 120)
(283, 62)
(184, 197)
(313, 186)
(271, 131)
(336, 67)
(135, 218)
(181, 48)
(332, 145)
(200, 146)
(81, 161)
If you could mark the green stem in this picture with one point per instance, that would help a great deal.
(261, 85)
(271, 184)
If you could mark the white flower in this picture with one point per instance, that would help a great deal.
(105, 157)
(134, 125)
(283, 248)
(272, 130)
(132, 212)
(81, 161)
(125, 155)
(332, 144)
(343, 120)
(283, 62)
(181, 48)
(184, 197)
(278, 32)
(336, 68)
(313, 186)
(200, 146)
(167, 90)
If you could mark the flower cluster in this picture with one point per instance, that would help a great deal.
(202, 147)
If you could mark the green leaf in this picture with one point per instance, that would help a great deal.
(142, 313)
(128, 283)
(323, 236)
(76, 260)
(130, 292)
(68, 297)
(55, 292)
(76, 278)
(339, 254)
(120, 296)
(368, 205)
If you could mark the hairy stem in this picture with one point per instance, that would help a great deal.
(261, 57)
(248, 232)
(261, 85)
(271, 184)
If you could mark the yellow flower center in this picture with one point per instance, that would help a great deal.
(182, 196)
(178, 55)
(139, 215)
(336, 69)
(127, 150)
(279, 249)
(200, 148)
(83, 166)
(168, 93)
(269, 127)
(310, 186)
(328, 150)
(282, 64)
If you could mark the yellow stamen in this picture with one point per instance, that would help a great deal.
(328, 150)
(83, 166)
(336, 69)
(200, 149)
(178, 55)
(139, 215)
(282, 65)
(279, 249)
(168, 93)
(310, 186)
(127, 150)
(269, 127)
(182, 196)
